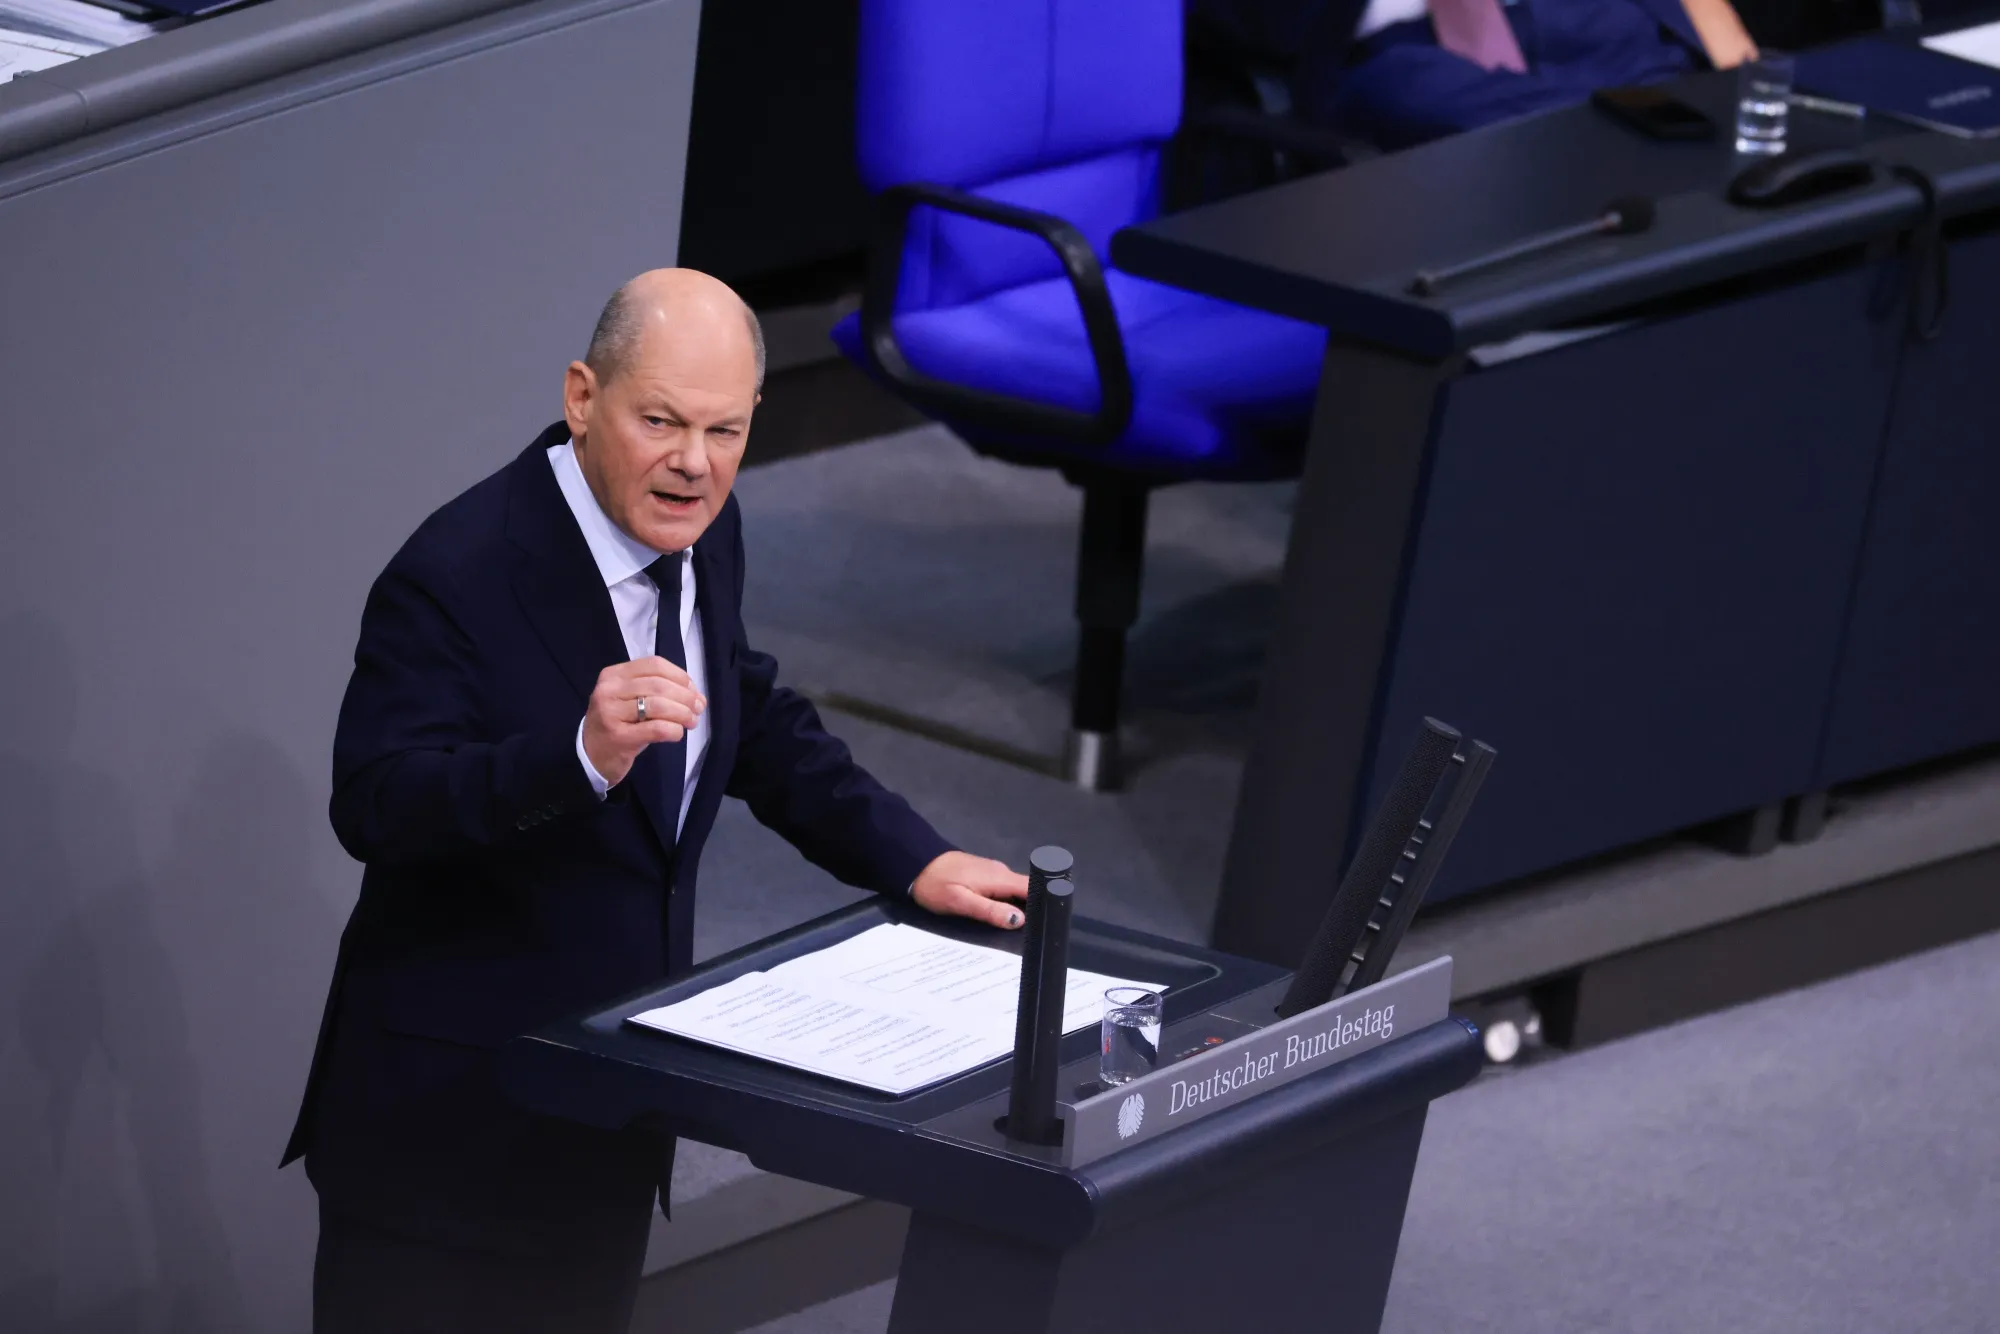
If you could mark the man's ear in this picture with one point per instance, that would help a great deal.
(579, 395)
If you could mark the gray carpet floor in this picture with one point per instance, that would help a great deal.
(1827, 1160)
(1822, 1162)
(908, 571)
(848, 557)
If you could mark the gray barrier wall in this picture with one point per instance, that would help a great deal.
(244, 347)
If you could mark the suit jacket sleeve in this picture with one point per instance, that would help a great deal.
(803, 783)
(416, 775)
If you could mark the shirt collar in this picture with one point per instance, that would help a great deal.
(618, 554)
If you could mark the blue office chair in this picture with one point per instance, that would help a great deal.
(1008, 140)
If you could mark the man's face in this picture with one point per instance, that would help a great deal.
(661, 440)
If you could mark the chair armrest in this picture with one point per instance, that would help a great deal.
(947, 399)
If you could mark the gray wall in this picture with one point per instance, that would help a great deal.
(243, 350)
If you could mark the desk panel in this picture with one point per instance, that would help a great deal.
(1921, 674)
(1632, 570)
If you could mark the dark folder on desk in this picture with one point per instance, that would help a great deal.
(163, 11)
(1911, 83)
(192, 9)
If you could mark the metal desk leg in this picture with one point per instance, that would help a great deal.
(1352, 531)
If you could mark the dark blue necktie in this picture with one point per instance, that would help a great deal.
(669, 758)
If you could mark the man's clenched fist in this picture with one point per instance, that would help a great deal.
(614, 732)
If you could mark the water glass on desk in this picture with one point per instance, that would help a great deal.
(1763, 93)
(1130, 1045)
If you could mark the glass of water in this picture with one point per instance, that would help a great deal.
(1763, 102)
(1131, 1034)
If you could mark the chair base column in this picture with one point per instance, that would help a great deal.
(1092, 761)
(1111, 555)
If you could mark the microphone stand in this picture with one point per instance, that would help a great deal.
(1620, 217)
(1038, 1015)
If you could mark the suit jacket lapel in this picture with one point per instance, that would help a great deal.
(563, 595)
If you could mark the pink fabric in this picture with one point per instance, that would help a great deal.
(1477, 30)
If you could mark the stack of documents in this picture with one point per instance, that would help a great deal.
(73, 20)
(24, 51)
(894, 1008)
(1979, 44)
(1942, 85)
(40, 34)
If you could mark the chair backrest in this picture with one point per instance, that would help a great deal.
(1056, 105)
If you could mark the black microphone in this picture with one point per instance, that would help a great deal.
(1375, 860)
(1398, 857)
(1038, 1018)
(1621, 217)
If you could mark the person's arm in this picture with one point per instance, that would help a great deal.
(804, 783)
(416, 775)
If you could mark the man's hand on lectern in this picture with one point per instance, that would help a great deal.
(959, 884)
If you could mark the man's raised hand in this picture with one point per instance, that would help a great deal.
(616, 728)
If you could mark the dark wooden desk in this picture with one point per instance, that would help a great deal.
(1628, 563)
(1339, 249)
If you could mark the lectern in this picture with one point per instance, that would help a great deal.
(1255, 1179)
(1276, 1209)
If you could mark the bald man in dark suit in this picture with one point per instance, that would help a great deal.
(552, 695)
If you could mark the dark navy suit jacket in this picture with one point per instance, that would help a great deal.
(1398, 87)
(501, 892)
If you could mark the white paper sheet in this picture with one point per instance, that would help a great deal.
(22, 52)
(1980, 45)
(894, 1008)
(74, 20)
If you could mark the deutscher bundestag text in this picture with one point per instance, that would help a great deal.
(1298, 1047)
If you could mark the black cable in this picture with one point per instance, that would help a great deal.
(1928, 257)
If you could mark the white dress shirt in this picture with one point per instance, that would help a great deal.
(622, 560)
(1381, 13)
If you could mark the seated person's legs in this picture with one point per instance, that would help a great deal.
(1409, 92)
(1398, 87)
